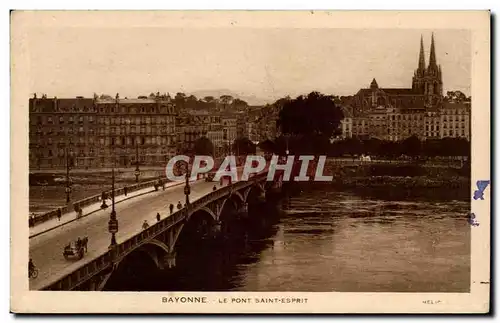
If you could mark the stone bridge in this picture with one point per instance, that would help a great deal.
(159, 241)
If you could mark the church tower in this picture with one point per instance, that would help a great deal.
(433, 90)
(418, 84)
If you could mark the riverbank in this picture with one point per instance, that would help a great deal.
(398, 180)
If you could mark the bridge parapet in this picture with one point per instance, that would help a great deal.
(107, 260)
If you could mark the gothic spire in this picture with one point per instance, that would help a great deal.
(432, 58)
(421, 57)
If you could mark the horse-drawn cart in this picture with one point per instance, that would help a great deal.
(210, 177)
(76, 249)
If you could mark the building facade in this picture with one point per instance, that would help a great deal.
(62, 131)
(135, 128)
(100, 132)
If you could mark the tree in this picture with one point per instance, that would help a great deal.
(179, 99)
(456, 97)
(239, 104)
(353, 146)
(315, 114)
(203, 146)
(372, 146)
(267, 146)
(209, 99)
(411, 146)
(226, 100)
(191, 102)
(244, 146)
(106, 97)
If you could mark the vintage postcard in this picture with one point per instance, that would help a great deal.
(250, 162)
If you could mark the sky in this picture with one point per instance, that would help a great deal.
(261, 64)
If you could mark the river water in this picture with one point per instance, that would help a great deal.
(327, 240)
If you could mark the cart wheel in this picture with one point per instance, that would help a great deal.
(34, 273)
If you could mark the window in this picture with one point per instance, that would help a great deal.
(70, 131)
(80, 129)
(113, 130)
(49, 119)
(80, 119)
(70, 119)
(91, 119)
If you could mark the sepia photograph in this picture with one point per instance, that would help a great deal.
(217, 164)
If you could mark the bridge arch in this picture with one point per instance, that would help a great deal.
(231, 199)
(207, 210)
(132, 262)
(256, 186)
(154, 248)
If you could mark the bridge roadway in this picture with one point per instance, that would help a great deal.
(46, 249)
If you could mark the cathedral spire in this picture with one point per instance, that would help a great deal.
(421, 57)
(432, 58)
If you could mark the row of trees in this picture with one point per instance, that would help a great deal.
(411, 147)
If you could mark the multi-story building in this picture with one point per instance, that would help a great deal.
(455, 120)
(215, 133)
(432, 120)
(192, 125)
(229, 128)
(266, 122)
(360, 127)
(346, 123)
(135, 127)
(377, 123)
(62, 130)
(100, 132)
(252, 132)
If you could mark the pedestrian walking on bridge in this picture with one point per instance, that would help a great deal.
(179, 205)
(158, 217)
(59, 214)
(171, 208)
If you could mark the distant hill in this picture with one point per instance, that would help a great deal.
(250, 99)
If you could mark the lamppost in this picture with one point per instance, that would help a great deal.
(137, 171)
(68, 186)
(113, 222)
(286, 138)
(187, 188)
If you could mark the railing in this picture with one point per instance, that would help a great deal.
(87, 271)
(90, 200)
